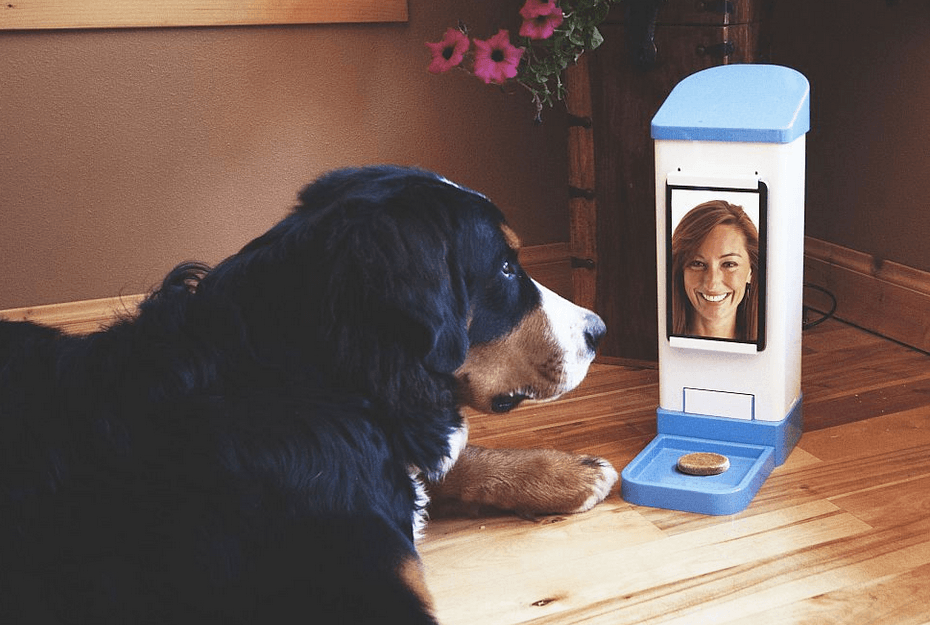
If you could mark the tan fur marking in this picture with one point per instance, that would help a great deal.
(511, 237)
(410, 571)
(527, 360)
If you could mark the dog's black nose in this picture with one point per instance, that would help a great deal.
(594, 331)
(506, 403)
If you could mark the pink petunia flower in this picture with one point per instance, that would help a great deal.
(535, 8)
(496, 59)
(449, 52)
(540, 19)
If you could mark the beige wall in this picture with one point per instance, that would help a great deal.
(868, 62)
(123, 152)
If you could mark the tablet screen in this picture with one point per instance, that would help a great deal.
(716, 265)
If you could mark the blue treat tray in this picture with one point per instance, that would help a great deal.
(653, 478)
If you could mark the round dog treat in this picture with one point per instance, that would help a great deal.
(703, 463)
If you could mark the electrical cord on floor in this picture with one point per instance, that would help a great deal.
(807, 325)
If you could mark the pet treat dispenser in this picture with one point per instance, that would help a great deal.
(733, 135)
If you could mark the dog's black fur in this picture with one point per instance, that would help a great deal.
(240, 451)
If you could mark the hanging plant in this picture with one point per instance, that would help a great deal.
(552, 36)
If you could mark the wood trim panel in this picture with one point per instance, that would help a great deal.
(60, 14)
(550, 264)
(76, 317)
(884, 297)
(533, 255)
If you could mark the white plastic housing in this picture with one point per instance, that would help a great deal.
(772, 377)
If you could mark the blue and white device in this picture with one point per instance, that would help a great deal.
(730, 162)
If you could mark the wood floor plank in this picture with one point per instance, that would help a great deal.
(557, 581)
(820, 572)
(866, 404)
(858, 474)
(903, 371)
(832, 335)
(850, 375)
(897, 599)
(766, 587)
(898, 430)
(507, 538)
(891, 505)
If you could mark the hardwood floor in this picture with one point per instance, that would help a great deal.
(838, 534)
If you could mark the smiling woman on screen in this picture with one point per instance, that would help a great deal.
(715, 255)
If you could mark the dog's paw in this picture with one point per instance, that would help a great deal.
(528, 481)
(601, 477)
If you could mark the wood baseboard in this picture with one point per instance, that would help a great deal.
(550, 264)
(887, 298)
(76, 317)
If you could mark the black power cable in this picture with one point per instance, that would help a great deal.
(807, 325)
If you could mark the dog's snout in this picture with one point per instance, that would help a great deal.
(594, 331)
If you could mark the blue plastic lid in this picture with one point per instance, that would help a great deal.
(736, 103)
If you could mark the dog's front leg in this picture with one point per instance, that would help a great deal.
(526, 481)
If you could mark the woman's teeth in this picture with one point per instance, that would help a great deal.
(714, 298)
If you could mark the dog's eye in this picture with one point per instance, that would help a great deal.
(508, 269)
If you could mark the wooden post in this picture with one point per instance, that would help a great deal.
(582, 202)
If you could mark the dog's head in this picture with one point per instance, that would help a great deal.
(400, 265)
(437, 267)
(544, 355)
(524, 341)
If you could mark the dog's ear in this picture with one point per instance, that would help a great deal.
(397, 277)
(436, 305)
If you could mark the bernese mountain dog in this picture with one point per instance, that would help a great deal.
(257, 443)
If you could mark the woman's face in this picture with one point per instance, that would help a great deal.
(715, 281)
